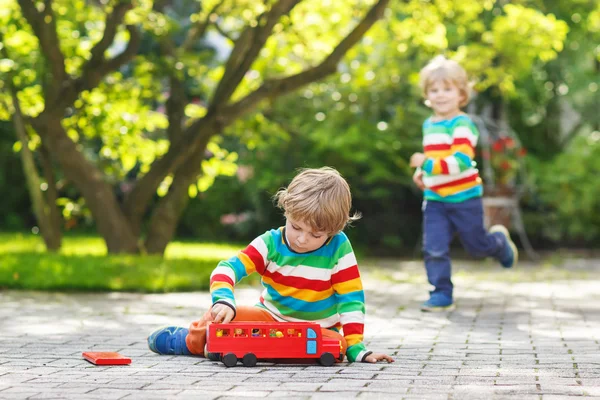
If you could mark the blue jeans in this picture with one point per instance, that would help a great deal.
(440, 222)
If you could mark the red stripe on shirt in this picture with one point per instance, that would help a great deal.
(462, 141)
(444, 166)
(298, 282)
(256, 258)
(436, 147)
(221, 278)
(353, 329)
(468, 179)
(345, 275)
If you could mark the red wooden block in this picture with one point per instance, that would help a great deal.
(106, 358)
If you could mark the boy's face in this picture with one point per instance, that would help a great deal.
(444, 98)
(301, 238)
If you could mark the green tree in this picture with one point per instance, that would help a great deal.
(76, 42)
(366, 121)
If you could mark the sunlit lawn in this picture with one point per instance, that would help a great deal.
(83, 264)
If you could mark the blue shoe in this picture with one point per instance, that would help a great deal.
(512, 253)
(169, 340)
(438, 302)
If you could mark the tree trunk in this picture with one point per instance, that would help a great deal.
(166, 215)
(43, 211)
(51, 193)
(192, 142)
(99, 195)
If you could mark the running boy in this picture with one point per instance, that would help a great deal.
(308, 270)
(447, 174)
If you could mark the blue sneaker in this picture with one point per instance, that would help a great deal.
(438, 302)
(169, 340)
(512, 256)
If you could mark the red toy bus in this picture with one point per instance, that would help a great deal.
(250, 341)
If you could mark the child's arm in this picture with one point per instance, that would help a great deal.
(228, 273)
(348, 289)
(462, 149)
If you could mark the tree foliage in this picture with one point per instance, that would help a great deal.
(144, 105)
(91, 75)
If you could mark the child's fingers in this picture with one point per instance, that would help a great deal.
(217, 313)
(222, 314)
(373, 358)
(228, 317)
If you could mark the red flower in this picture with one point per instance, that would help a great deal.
(505, 165)
(498, 146)
(509, 143)
(522, 152)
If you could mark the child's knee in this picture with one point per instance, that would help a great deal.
(434, 254)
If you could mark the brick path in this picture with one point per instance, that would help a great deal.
(509, 338)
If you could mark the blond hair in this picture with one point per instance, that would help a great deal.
(320, 198)
(443, 69)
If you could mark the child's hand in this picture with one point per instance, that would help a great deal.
(418, 179)
(417, 159)
(222, 313)
(374, 357)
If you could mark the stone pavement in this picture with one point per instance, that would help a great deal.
(527, 334)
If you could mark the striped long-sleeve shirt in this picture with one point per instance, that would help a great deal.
(322, 286)
(449, 171)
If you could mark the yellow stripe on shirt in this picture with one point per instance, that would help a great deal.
(348, 286)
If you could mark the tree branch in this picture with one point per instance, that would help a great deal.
(43, 24)
(195, 137)
(199, 29)
(177, 99)
(222, 32)
(277, 87)
(111, 25)
(93, 74)
(246, 50)
(201, 130)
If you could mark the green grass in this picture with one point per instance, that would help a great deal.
(83, 265)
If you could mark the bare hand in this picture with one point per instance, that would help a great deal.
(418, 179)
(221, 313)
(374, 357)
(417, 159)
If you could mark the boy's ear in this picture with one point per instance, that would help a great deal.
(427, 103)
(464, 97)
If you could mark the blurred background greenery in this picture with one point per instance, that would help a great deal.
(153, 121)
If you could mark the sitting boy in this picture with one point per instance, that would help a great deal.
(308, 271)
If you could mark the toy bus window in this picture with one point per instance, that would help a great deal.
(222, 333)
(256, 332)
(310, 333)
(239, 332)
(293, 333)
(275, 333)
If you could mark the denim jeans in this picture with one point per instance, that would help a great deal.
(440, 222)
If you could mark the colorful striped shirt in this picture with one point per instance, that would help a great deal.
(449, 171)
(322, 286)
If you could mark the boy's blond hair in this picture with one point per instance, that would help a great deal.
(441, 68)
(320, 198)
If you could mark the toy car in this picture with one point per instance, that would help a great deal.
(250, 341)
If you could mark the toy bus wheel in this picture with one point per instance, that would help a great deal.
(327, 359)
(213, 356)
(249, 360)
(229, 359)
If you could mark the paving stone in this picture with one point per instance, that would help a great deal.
(505, 340)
